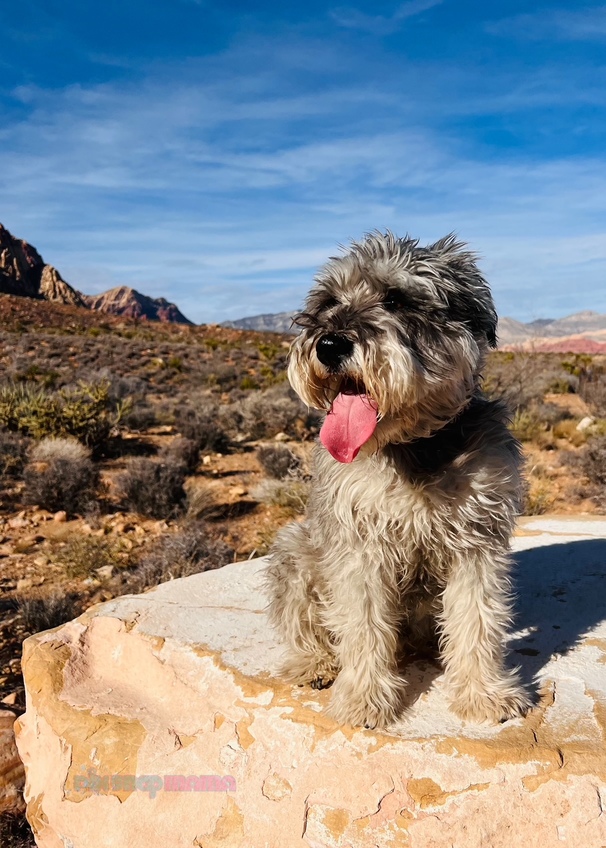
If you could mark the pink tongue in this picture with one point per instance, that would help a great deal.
(349, 424)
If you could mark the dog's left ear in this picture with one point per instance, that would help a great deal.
(469, 296)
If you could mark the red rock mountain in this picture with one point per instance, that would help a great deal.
(24, 272)
(131, 304)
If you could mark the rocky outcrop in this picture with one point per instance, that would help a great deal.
(132, 304)
(157, 720)
(23, 272)
(53, 287)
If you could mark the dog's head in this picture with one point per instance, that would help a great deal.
(393, 341)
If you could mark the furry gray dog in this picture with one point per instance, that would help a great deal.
(415, 488)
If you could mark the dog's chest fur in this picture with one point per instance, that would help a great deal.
(414, 500)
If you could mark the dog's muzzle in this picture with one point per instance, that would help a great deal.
(332, 349)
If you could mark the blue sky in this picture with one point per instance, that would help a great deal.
(217, 153)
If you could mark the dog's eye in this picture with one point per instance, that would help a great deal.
(329, 303)
(394, 300)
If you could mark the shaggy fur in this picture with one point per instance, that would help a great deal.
(406, 547)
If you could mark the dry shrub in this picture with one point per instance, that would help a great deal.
(526, 425)
(523, 378)
(201, 501)
(13, 453)
(81, 556)
(568, 430)
(182, 451)
(278, 461)
(47, 611)
(262, 415)
(202, 428)
(153, 488)
(291, 493)
(593, 461)
(15, 832)
(187, 551)
(61, 476)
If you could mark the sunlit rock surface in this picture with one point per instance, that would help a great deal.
(155, 720)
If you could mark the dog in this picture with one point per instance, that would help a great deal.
(415, 488)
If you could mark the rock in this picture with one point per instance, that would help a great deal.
(585, 423)
(18, 523)
(23, 272)
(10, 700)
(145, 701)
(60, 516)
(105, 572)
(12, 775)
(129, 303)
(281, 437)
(54, 287)
(24, 583)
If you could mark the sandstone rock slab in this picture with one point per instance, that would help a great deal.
(155, 720)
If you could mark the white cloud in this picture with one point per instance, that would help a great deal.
(223, 185)
(352, 18)
(583, 24)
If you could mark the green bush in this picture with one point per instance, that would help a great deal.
(87, 413)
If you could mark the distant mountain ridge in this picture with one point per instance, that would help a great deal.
(129, 303)
(276, 322)
(24, 273)
(583, 332)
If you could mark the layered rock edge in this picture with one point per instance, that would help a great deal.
(158, 720)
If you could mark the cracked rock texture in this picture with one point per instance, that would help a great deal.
(154, 720)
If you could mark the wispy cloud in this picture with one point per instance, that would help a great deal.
(351, 18)
(583, 24)
(223, 182)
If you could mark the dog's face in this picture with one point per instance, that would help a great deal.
(396, 328)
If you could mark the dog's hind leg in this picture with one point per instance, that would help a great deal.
(474, 622)
(295, 609)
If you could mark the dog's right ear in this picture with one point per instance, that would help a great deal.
(470, 300)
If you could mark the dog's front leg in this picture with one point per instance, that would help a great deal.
(474, 623)
(364, 620)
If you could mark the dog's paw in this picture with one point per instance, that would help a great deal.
(322, 682)
(372, 708)
(491, 707)
(308, 671)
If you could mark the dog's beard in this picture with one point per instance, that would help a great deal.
(411, 399)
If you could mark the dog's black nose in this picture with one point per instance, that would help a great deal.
(332, 349)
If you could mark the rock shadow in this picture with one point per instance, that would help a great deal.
(560, 594)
